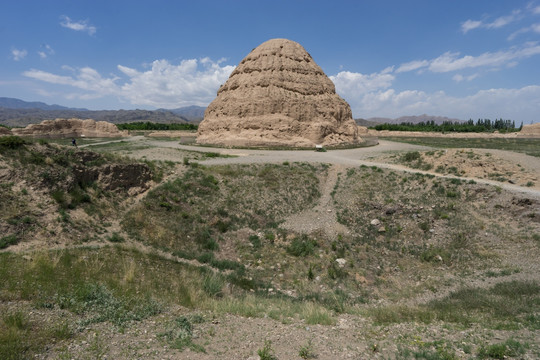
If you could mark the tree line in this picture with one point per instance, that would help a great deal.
(155, 126)
(481, 125)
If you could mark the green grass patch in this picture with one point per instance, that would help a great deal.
(190, 213)
(302, 246)
(505, 303)
(179, 334)
(527, 146)
(11, 142)
(8, 240)
(504, 350)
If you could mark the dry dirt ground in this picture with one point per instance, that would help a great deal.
(479, 164)
(353, 336)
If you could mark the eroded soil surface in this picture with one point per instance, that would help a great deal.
(353, 335)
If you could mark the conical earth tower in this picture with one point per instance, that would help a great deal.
(278, 96)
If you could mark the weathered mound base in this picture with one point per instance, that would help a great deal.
(62, 128)
(275, 131)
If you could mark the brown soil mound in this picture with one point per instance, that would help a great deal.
(278, 96)
(533, 129)
(61, 128)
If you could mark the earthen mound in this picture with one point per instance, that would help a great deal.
(4, 131)
(61, 128)
(531, 130)
(278, 96)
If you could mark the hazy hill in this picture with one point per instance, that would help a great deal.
(192, 113)
(19, 113)
(13, 103)
(16, 112)
(366, 123)
(23, 117)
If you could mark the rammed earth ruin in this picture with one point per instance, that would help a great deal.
(278, 97)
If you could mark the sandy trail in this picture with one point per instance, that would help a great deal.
(322, 218)
(357, 157)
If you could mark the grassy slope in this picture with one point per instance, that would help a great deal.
(432, 236)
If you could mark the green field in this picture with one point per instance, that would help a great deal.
(527, 146)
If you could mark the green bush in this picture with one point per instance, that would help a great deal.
(115, 238)
(411, 156)
(99, 301)
(59, 196)
(306, 351)
(8, 241)
(213, 285)
(16, 320)
(255, 241)
(11, 142)
(509, 348)
(266, 353)
(302, 246)
(180, 334)
(211, 154)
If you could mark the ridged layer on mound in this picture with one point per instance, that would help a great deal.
(278, 96)
(533, 129)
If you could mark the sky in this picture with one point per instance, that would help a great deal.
(388, 58)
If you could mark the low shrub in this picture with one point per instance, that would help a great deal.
(8, 241)
(266, 353)
(302, 246)
(11, 142)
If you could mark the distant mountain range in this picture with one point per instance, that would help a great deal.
(12, 103)
(16, 112)
(19, 113)
(191, 113)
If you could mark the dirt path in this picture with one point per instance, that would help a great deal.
(352, 157)
(347, 157)
(322, 218)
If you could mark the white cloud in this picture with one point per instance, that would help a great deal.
(518, 104)
(17, 54)
(536, 10)
(166, 85)
(357, 84)
(82, 25)
(495, 24)
(47, 50)
(533, 28)
(163, 85)
(504, 20)
(459, 78)
(452, 61)
(412, 65)
(86, 79)
(470, 25)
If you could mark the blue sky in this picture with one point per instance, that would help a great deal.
(462, 58)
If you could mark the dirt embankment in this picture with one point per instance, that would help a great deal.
(505, 167)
